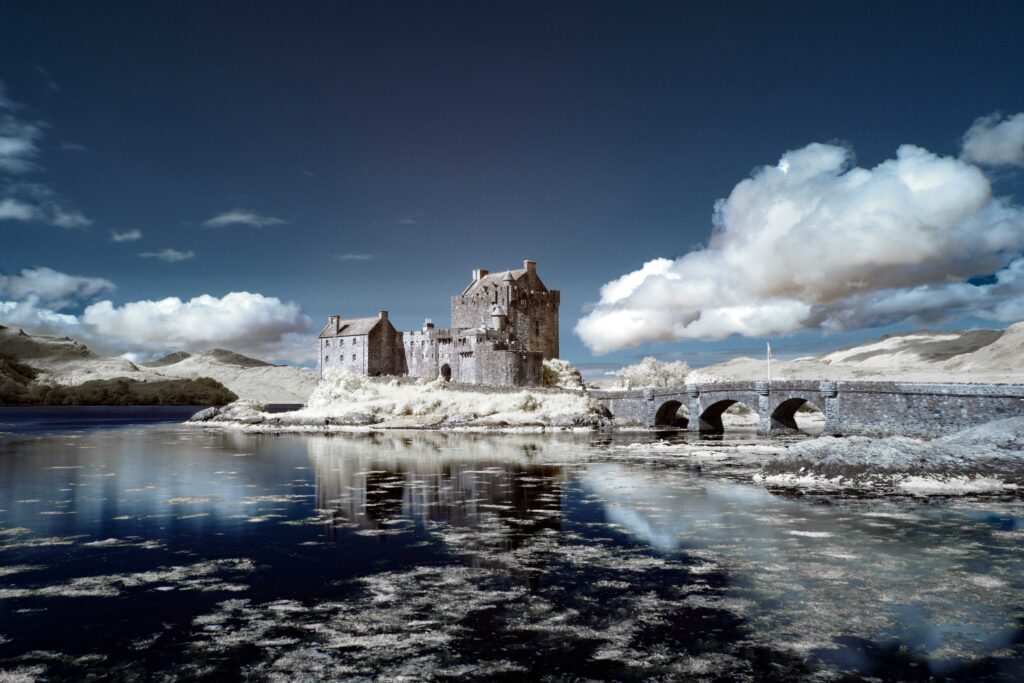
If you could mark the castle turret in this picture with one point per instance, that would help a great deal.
(499, 318)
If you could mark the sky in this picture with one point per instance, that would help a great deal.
(695, 177)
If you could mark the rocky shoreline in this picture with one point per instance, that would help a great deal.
(252, 416)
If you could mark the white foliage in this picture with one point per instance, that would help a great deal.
(561, 374)
(342, 393)
(651, 372)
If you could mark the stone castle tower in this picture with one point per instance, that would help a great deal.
(504, 325)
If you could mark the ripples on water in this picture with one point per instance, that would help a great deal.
(174, 553)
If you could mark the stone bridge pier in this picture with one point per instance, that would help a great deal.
(849, 407)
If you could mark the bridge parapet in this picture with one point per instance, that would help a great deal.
(850, 406)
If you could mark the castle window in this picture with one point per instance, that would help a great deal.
(353, 357)
(327, 359)
(353, 341)
(536, 327)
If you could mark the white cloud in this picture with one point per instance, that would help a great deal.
(19, 139)
(15, 210)
(169, 255)
(354, 257)
(37, 203)
(68, 219)
(242, 217)
(129, 236)
(242, 321)
(19, 149)
(52, 288)
(993, 141)
(815, 242)
(246, 322)
(29, 316)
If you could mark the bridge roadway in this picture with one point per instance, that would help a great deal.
(916, 409)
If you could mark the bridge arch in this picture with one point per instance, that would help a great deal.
(672, 413)
(711, 415)
(786, 415)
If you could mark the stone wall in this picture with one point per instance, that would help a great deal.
(533, 319)
(922, 410)
(497, 367)
(874, 408)
(532, 314)
(344, 352)
(629, 408)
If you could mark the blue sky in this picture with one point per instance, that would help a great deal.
(434, 138)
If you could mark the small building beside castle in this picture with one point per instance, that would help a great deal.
(504, 325)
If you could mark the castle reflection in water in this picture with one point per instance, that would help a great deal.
(380, 481)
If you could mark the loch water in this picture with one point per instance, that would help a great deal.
(133, 547)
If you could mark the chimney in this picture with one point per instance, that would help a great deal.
(531, 266)
(479, 273)
(333, 321)
(383, 315)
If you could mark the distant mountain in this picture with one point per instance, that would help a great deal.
(64, 362)
(248, 377)
(60, 371)
(169, 359)
(986, 356)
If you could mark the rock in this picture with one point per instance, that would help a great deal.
(461, 419)
(205, 415)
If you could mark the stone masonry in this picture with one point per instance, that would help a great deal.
(850, 407)
(504, 325)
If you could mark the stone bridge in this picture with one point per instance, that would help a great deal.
(850, 407)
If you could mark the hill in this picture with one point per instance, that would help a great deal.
(43, 371)
(248, 377)
(986, 356)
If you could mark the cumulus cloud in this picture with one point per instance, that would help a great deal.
(168, 255)
(815, 242)
(52, 288)
(246, 322)
(242, 217)
(354, 257)
(994, 141)
(128, 236)
(242, 321)
(28, 315)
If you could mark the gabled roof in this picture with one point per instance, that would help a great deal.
(357, 327)
(495, 280)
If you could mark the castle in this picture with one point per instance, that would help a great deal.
(504, 325)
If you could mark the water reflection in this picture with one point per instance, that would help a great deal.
(467, 555)
(420, 480)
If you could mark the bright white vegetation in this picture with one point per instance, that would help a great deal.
(561, 374)
(651, 372)
(343, 392)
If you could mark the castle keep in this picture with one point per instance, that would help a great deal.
(504, 325)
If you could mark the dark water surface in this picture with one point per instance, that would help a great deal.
(165, 552)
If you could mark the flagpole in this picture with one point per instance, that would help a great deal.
(769, 359)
